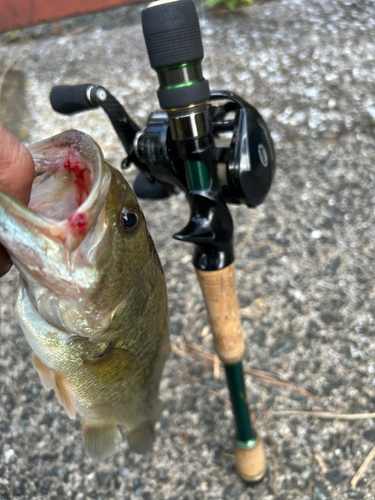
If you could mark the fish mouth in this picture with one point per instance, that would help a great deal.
(60, 230)
(68, 191)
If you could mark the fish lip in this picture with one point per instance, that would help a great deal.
(89, 208)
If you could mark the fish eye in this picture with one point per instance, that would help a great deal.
(129, 219)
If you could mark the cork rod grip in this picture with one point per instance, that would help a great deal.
(251, 461)
(220, 295)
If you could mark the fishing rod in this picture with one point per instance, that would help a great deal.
(216, 148)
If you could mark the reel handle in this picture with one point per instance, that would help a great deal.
(71, 99)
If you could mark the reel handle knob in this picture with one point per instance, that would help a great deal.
(70, 99)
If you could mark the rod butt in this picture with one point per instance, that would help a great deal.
(251, 461)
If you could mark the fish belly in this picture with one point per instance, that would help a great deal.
(102, 384)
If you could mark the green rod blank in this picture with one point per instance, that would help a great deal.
(237, 390)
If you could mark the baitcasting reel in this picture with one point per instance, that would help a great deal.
(242, 147)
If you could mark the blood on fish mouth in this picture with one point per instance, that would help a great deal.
(82, 179)
(77, 223)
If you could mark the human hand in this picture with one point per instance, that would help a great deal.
(16, 177)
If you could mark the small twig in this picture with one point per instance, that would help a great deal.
(219, 397)
(216, 367)
(334, 137)
(323, 414)
(271, 379)
(260, 260)
(78, 30)
(243, 242)
(204, 371)
(207, 355)
(200, 314)
(321, 463)
(20, 390)
(328, 286)
(187, 370)
(365, 252)
(178, 351)
(274, 459)
(363, 468)
(265, 376)
(256, 310)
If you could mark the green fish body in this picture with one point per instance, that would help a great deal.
(92, 299)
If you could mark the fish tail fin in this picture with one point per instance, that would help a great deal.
(100, 440)
(141, 438)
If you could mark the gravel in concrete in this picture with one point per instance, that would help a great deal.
(305, 259)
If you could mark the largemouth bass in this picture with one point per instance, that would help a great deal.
(92, 298)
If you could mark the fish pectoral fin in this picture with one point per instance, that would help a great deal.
(137, 300)
(45, 375)
(52, 380)
(100, 440)
(64, 395)
(113, 365)
(141, 438)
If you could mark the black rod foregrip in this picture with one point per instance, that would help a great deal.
(70, 99)
(172, 33)
(174, 45)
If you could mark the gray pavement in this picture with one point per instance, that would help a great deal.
(305, 260)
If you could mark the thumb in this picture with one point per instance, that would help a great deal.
(16, 167)
(16, 177)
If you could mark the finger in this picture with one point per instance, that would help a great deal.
(16, 167)
(16, 176)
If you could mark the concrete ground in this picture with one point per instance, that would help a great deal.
(305, 260)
